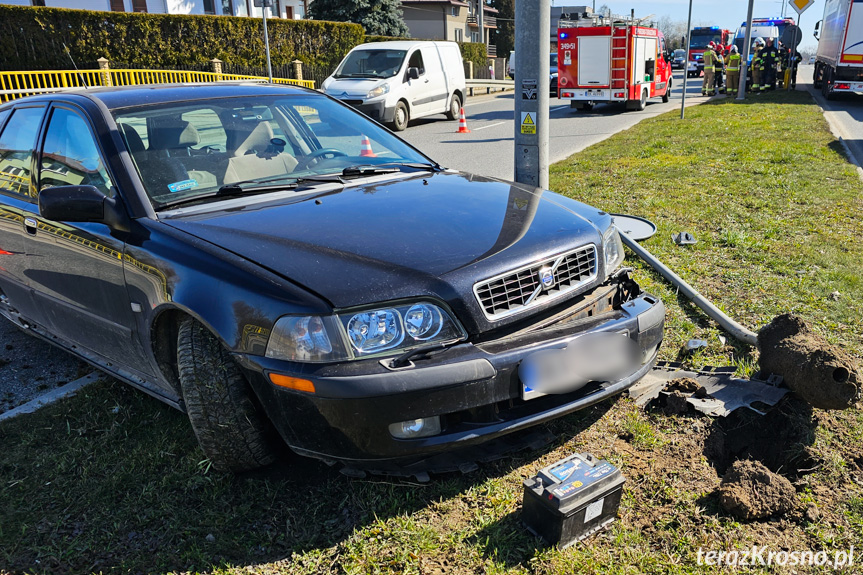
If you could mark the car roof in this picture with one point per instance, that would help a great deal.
(398, 45)
(128, 96)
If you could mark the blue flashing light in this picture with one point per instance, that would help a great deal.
(564, 35)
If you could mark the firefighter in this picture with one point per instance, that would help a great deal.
(732, 66)
(769, 59)
(794, 58)
(708, 87)
(756, 65)
(718, 68)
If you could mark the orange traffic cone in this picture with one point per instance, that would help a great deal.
(462, 124)
(366, 151)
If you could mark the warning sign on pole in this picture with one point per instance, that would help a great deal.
(528, 125)
(801, 5)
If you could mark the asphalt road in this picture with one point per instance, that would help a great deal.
(488, 149)
(845, 113)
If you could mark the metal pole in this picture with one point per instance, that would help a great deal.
(744, 58)
(532, 32)
(267, 41)
(686, 60)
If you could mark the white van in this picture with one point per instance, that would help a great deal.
(395, 82)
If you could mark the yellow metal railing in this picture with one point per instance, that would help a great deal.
(18, 84)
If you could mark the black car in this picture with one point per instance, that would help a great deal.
(267, 259)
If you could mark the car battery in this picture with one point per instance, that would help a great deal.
(572, 499)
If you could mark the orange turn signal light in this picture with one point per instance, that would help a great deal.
(292, 382)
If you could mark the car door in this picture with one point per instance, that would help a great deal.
(417, 89)
(76, 269)
(436, 84)
(19, 129)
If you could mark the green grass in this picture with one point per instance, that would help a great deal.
(112, 481)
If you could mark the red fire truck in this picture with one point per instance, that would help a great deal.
(699, 39)
(613, 59)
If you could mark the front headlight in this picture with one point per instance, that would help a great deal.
(379, 91)
(612, 246)
(357, 335)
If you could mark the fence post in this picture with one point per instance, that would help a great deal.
(298, 69)
(104, 71)
(469, 69)
(216, 64)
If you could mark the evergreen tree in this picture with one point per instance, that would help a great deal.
(504, 36)
(378, 17)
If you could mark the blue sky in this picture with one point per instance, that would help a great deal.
(726, 14)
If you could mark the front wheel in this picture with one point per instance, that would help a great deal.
(454, 108)
(401, 117)
(230, 427)
(667, 95)
(816, 77)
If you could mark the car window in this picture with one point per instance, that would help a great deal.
(371, 64)
(416, 61)
(16, 147)
(211, 132)
(183, 150)
(70, 155)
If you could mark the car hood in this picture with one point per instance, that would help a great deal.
(352, 87)
(429, 235)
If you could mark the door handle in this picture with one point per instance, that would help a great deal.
(31, 225)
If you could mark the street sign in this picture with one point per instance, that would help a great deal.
(801, 5)
(528, 125)
(792, 36)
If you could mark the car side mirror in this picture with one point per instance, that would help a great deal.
(817, 26)
(81, 204)
(414, 73)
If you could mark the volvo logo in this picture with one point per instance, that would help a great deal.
(546, 278)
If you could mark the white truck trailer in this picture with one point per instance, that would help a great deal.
(839, 60)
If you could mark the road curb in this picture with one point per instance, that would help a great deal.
(52, 396)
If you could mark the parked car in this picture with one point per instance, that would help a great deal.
(394, 82)
(678, 59)
(264, 257)
(552, 71)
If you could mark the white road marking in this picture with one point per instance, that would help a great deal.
(489, 126)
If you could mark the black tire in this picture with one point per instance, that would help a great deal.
(641, 104)
(667, 95)
(816, 77)
(454, 108)
(230, 427)
(401, 117)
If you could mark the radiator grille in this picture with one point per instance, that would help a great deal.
(516, 290)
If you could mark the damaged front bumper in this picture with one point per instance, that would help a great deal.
(470, 393)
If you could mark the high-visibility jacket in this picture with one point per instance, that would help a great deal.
(733, 62)
(709, 59)
(756, 60)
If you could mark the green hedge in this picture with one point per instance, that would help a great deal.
(33, 38)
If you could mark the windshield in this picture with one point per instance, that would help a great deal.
(763, 32)
(703, 39)
(679, 53)
(371, 64)
(188, 149)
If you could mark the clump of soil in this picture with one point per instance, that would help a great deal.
(679, 389)
(675, 403)
(817, 371)
(684, 384)
(750, 491)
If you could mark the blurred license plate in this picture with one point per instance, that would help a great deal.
(591, 357)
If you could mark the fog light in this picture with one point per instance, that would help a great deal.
(423, 427)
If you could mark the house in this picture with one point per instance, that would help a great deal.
(291, 9)
(456, 20)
